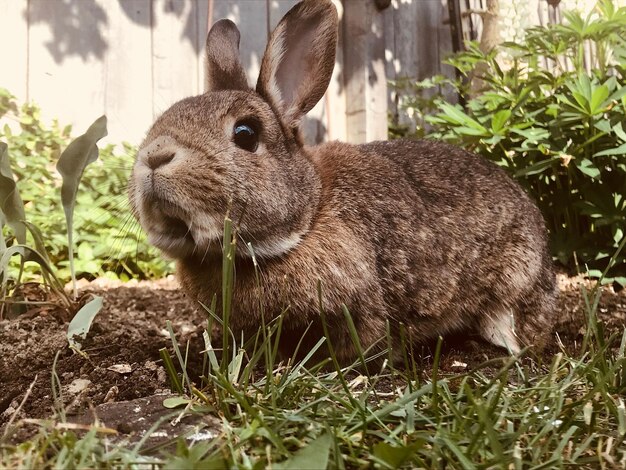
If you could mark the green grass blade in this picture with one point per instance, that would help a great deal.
(228, 262)
(171, 371)
(181, 361)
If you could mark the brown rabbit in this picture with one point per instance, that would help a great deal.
(420, 234)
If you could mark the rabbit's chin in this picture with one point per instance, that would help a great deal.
(172, 236)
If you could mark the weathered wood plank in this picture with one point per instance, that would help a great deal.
(445, 49)
(412, 29)
(128, 91)
(335, 117)
(14, 47)
(202, 21)
(401, 54)
(66, 50)
(174, 47)
(364, 72)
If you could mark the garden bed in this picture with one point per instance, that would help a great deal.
(122, 349)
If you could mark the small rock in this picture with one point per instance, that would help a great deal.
(121, 368)
(77, 386)
(111, 395)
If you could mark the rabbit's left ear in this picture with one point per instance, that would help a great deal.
(223, 67)
(299, 60)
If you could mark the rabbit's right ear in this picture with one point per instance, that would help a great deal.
(223, 67)
(299, 60)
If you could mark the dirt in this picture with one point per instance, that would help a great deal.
(122, 359)
(122, 370)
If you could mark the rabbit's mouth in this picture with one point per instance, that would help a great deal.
(172, 236)
(171, 227)
(176, 228)
(166, 229)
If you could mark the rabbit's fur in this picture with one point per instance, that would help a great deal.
(419, 234)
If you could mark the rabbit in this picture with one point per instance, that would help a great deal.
(418, 239)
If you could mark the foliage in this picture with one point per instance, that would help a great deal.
(553, 116)
(109, 241)
(72, 162)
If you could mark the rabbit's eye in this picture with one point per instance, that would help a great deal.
(246, 136)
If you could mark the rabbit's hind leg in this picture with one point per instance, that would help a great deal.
(499, 329)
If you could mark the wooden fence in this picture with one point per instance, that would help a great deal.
(131, 59)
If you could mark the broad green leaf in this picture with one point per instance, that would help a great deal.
(620, 280)
(584, 86)
(471, 131)
(604, 126)
(314, 456)
(10, 201)
(587, 167)
(599, 95)
(533, 134)
(84, 251)
(71, 165)
(621, 150)
(499, 120)
(619, 130)
(618, 94)
(81, 323)
(578, 106)
(461, 118)
(537, 168)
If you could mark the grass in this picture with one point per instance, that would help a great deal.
(506, 413)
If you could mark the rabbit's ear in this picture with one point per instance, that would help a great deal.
(223, 67)
(299, 59)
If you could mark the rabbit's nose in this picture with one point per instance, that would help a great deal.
(155, 160)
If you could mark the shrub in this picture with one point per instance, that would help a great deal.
(555, 120)
(109, 241)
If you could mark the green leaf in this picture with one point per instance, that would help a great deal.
(85, 252)
(71, 165)
(313, 456)
(537, 168)
(599, 95)
(394, 456)
(604, 126)
(10, 201)
(619, 131)
(499, 120)
(460, 117)
(471, 131)
(619, 94)
(621, 150)
(81, 323)
(587, 167)
(620, 280)
(175, 402)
